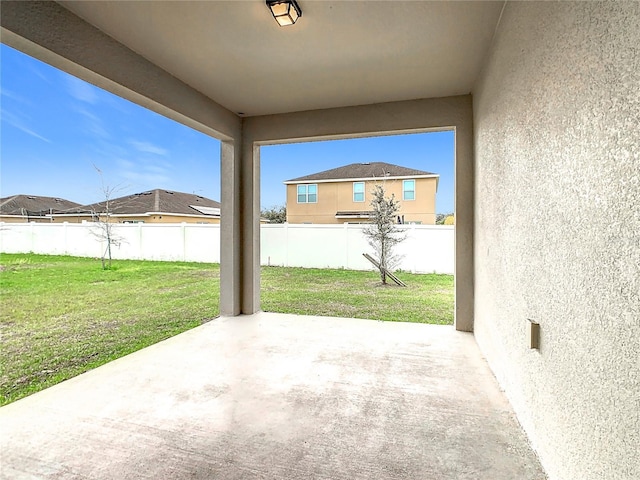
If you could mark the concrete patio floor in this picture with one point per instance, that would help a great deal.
(272, 396)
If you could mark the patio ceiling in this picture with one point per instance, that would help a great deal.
(338, 54)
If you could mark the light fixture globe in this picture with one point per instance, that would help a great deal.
(286, 12)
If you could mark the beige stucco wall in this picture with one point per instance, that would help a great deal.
(557, 230)
(179, 219)
(338, 196)
(21, 219)
(164, 218)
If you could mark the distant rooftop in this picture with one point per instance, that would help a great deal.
(33, 205)
(363, 171)
(157, 200)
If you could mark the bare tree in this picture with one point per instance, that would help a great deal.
(383, 233)
(103, 229)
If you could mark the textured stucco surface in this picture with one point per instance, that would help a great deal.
(557, 229)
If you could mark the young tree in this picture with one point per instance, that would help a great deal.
(103, 229)
(383, 233)
(275, 214)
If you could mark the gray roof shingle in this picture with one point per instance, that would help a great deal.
(33, 205)
(362, 170)
(158, 200)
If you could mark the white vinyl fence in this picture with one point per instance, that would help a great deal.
(427, 248)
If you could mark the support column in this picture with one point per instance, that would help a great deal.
(230, 232)
(464, 208)
(250, 227)
(240, 228)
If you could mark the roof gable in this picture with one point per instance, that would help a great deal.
(370, 170)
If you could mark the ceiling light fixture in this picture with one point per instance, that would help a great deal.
(286, 12)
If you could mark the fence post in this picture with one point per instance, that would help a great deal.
(66, 241)
(286, 243)
(33, 233)
(415, 240)
(345, 232)
(183, 226)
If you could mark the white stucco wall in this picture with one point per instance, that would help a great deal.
(557, 229)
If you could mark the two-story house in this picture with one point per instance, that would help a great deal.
(343, 194)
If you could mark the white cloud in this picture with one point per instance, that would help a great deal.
(81, 90)
(98, 129)
(28, 131)
(86, 113)
(125, 164)
(16, 122)
(156, 169)
(38, 73)
(108, 150)
(14, 96)
(93, 123)
(145, 175)
(147, 147)
(146, 179)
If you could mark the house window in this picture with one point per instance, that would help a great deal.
(408, 189)
(307, 193)
(358, 191)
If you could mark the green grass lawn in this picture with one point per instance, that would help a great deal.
(61, 316)
(348, 293)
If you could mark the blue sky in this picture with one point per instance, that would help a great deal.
(54, 128)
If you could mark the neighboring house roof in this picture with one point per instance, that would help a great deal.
(363, 171)
(33, 205)
(154, 201)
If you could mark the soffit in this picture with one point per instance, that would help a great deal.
(338, 54)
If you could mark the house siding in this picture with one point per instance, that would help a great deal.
(23, 219)
(160, 218)
(338, 196)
